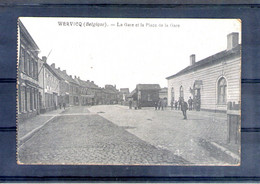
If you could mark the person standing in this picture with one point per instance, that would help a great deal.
(172, 105)
(159, 104)
(184, 108)
(130, 104)
(162, 104)
(155, 105)
(176, 104)
(190, 102)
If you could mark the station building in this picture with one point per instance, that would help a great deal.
(211, 82)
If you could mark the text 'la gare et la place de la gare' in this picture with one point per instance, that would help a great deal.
(153, 25)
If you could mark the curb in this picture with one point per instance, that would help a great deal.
(220, 152)
(26, 137)
(226, 151)
(32, 133)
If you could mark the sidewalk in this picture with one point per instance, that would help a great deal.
(29, 127)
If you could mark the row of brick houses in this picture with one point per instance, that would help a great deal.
(43, 87)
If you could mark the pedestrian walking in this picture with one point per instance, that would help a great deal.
(60, 105)
(64, 105)
(184, 108)
(190, 102)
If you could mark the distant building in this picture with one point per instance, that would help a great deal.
(145, 94)
(124, 92)
(163, 93)
(90, 93)
(49, 90)
(211, 82)
(110, 94)
(64, 85)
(28, 85)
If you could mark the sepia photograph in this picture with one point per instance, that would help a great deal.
(128, 91)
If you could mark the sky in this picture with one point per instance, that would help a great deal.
(126, 52)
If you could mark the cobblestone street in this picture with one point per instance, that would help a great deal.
(117, 135)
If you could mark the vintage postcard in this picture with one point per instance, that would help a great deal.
(125, 91)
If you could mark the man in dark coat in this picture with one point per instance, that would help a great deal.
(184, 108)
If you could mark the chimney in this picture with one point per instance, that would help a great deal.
(92, 82)
(75, 77)
(87, 80)
(192, 59)
(64, 71)
(53, 65)
(232, 40)
(44, 59)
(58, 68)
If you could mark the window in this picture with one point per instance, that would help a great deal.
(31, 99)
(28, 98)
(172, 93)
(23, 99)
(26, 62)
(149, 97)
(181, 93)
(222, 91)
(21, 62)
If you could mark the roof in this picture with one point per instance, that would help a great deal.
(209, 60)
(64, 76)
(105, 90)
(27, 35)
(148, 87)
(52, 71)
(87, 84)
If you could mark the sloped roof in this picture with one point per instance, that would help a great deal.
(209, 60)
(64, 76)
(87, 84)
(148, 87)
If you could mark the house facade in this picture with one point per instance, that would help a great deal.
(27, 83)
(145, 95)
(49, 83)
(211, 82)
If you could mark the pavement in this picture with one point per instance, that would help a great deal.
(193, 139)
(116, 135)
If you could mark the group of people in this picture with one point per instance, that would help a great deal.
(177, 104)
(182, 105)
(160, 104)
